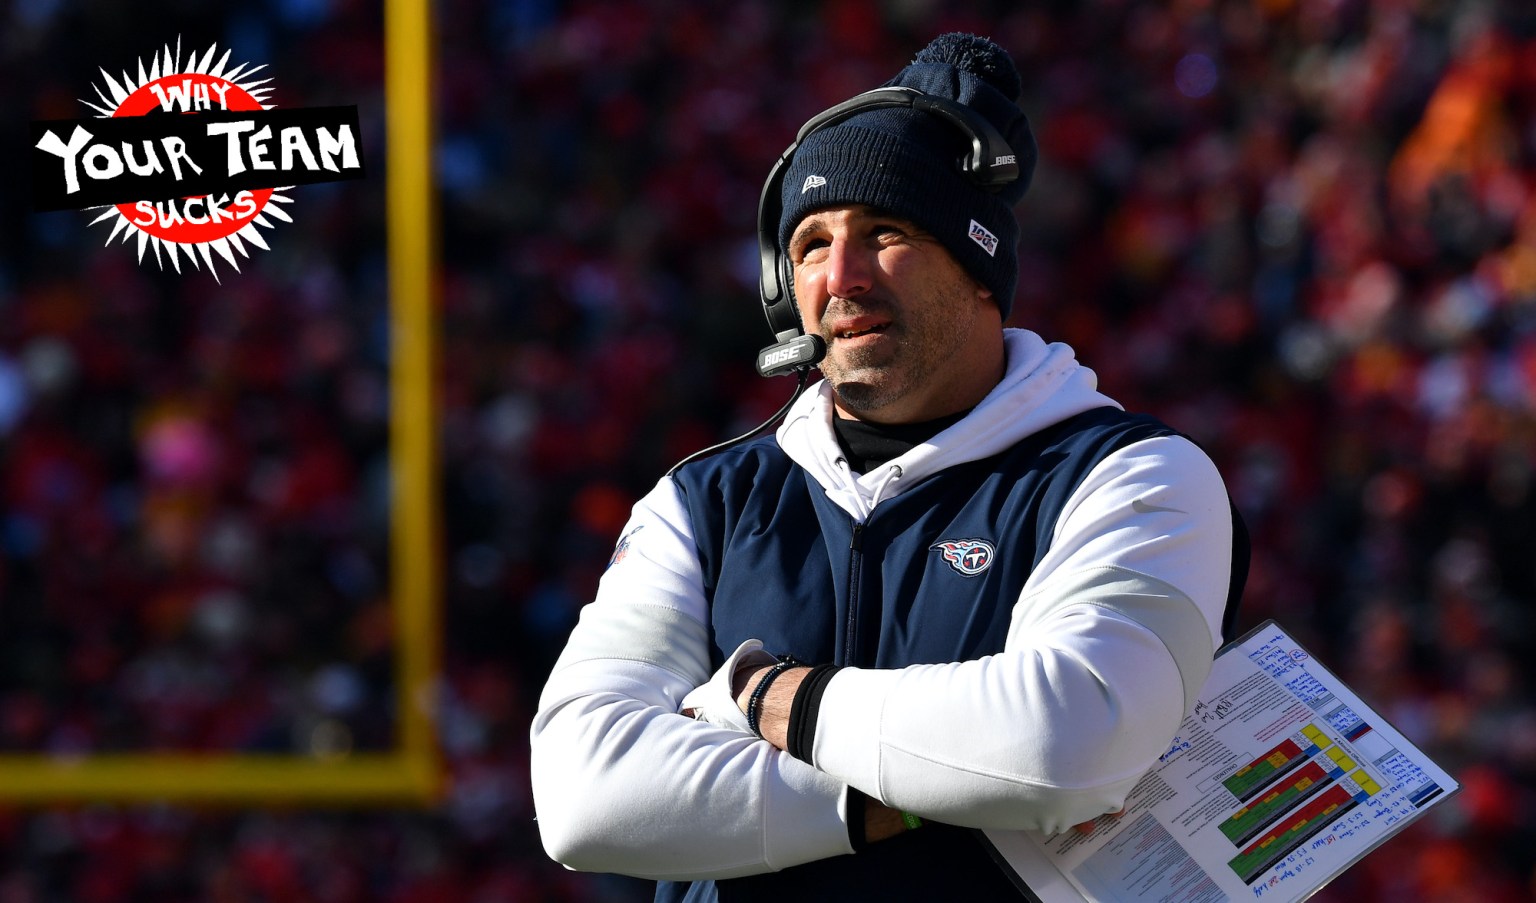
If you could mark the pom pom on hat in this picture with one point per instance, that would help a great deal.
(904, 161)
(975, 55)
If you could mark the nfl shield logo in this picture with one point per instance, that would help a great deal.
(984, 238)
(622, 549)
(968, 557)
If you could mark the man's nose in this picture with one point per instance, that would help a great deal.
(850, 268)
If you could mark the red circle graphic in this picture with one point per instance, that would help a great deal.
(191, 220)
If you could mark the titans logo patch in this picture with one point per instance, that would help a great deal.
(969, 557)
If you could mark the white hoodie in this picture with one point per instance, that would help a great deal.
(1111, 636)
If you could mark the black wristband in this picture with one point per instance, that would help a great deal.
(856, 802)
(755, 701)
(802, 713)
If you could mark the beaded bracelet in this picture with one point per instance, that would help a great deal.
(755, 701)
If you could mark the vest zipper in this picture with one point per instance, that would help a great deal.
(855, 558)
(855, 547)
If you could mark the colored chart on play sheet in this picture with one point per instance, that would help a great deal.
(1300, 777)
(1291, 752)
(1284, 796)
(1294, 830)
(1294, 819)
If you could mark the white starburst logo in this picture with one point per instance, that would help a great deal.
(199, 226)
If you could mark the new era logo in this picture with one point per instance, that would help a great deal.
(981, 236)
(812, 182)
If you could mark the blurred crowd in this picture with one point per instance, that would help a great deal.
(1302, 231)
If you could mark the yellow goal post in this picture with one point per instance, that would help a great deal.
(411, 771)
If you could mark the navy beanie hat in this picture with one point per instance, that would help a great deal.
(904, 161)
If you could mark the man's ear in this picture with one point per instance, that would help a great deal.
(989, 301)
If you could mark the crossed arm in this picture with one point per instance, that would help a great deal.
(1117, 626)
(774, 706)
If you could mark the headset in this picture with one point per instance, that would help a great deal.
(990, 163)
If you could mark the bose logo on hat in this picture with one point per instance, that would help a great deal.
(812, 182)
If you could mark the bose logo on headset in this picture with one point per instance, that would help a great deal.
(776, 356)
(793, 349)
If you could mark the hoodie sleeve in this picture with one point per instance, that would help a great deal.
(1111, 637)
(623, 783)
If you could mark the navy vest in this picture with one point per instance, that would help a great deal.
(930, 577)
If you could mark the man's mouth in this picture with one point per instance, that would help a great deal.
(855, 333)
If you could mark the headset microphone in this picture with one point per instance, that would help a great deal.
(800, 353)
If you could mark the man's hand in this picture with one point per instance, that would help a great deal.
(1087, 826)
(773, 708)
(880, 820)
(723, 699)
(715, 700)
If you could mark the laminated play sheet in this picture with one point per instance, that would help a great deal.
(1279, 779)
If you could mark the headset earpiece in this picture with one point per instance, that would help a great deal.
(776, 286)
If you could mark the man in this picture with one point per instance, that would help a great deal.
(998, 589)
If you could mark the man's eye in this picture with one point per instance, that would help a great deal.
(812, 244)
